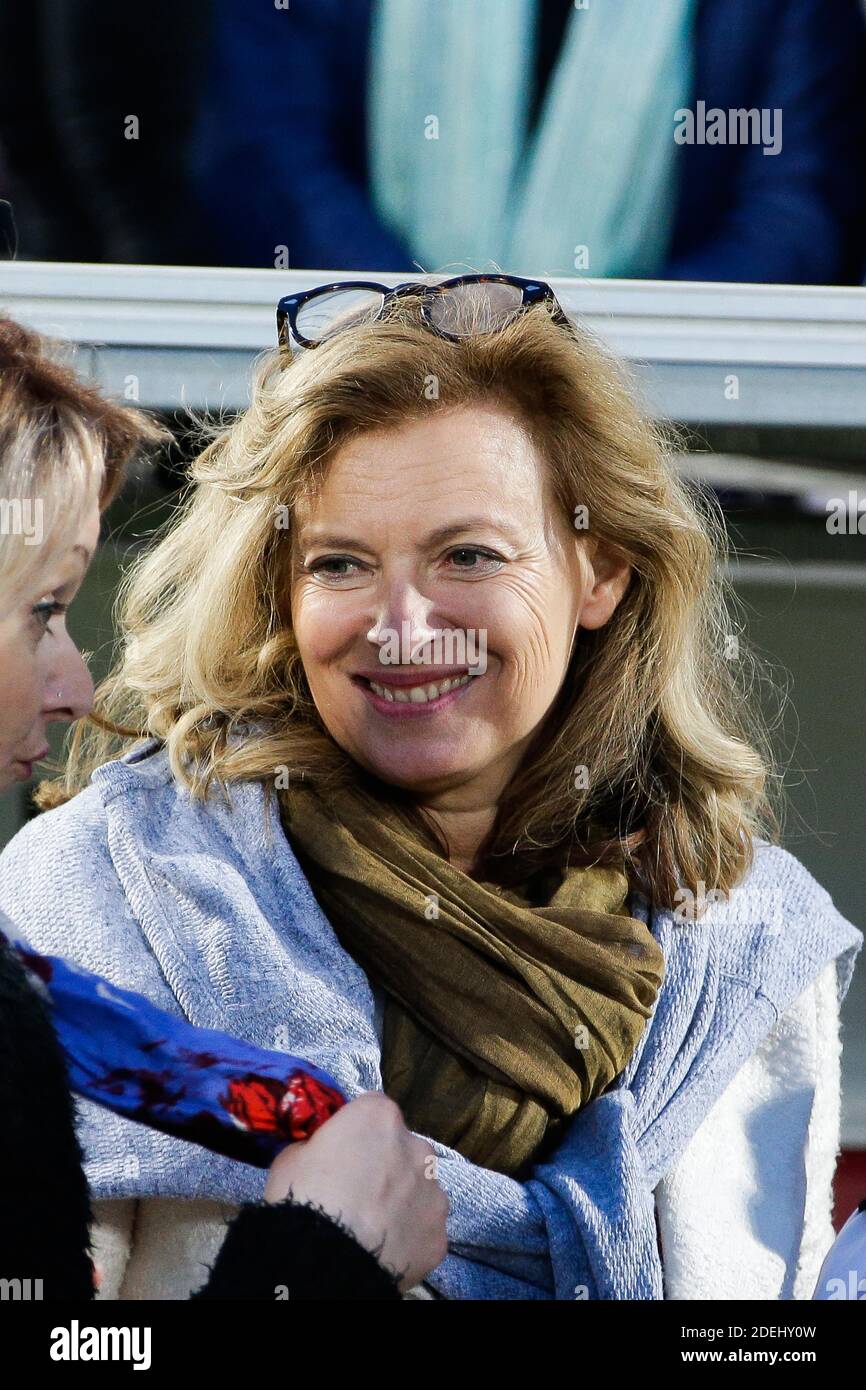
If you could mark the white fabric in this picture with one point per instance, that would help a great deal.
(746, 1212)
(160, 1249)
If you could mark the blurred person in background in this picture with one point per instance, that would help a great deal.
(538, 135)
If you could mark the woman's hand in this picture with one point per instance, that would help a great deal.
(366, 1168)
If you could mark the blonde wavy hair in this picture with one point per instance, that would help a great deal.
(58, 438)
(677, 760)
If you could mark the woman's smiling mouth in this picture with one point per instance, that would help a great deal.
(403, 693)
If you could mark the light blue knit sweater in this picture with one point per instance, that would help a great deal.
(205, 910)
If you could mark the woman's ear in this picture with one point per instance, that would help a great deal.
(609, 577)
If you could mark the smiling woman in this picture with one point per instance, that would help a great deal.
(608, 704)
(472, 896)
(502, 561)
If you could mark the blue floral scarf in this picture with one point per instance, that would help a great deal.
(194, 1083)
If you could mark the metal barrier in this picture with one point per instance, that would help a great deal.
(703, 353)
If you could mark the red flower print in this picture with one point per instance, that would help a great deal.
(292, 1109)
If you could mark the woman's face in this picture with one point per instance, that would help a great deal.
(444, 527)
(43, 679)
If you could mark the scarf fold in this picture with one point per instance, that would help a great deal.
(454, 170)
(502, 1017)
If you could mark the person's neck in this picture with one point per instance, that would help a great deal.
(466, 812)
(465, 825)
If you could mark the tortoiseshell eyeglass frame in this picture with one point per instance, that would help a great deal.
(532, 291)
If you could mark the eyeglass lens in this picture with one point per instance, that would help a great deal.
(335, 310)
(463, 310)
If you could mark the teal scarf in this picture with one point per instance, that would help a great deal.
(454, 172)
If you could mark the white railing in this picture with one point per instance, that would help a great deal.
(188, 335)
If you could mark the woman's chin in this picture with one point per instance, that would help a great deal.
(419, 772)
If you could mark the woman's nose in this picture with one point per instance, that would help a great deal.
(68, 684)
(404, 615)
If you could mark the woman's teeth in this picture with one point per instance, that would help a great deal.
(418, 694)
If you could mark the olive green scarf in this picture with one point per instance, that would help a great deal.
(502, 1018)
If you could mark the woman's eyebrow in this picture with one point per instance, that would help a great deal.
(442, 533)
(333, 539)
(470, 523)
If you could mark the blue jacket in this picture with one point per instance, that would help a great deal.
(280, 154)
(204, 909)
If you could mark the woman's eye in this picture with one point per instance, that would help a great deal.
(43, 612)
(334, 568)
(465, 559)
(471, 560)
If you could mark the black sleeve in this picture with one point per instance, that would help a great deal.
(286, 1250)
(45, 1211)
